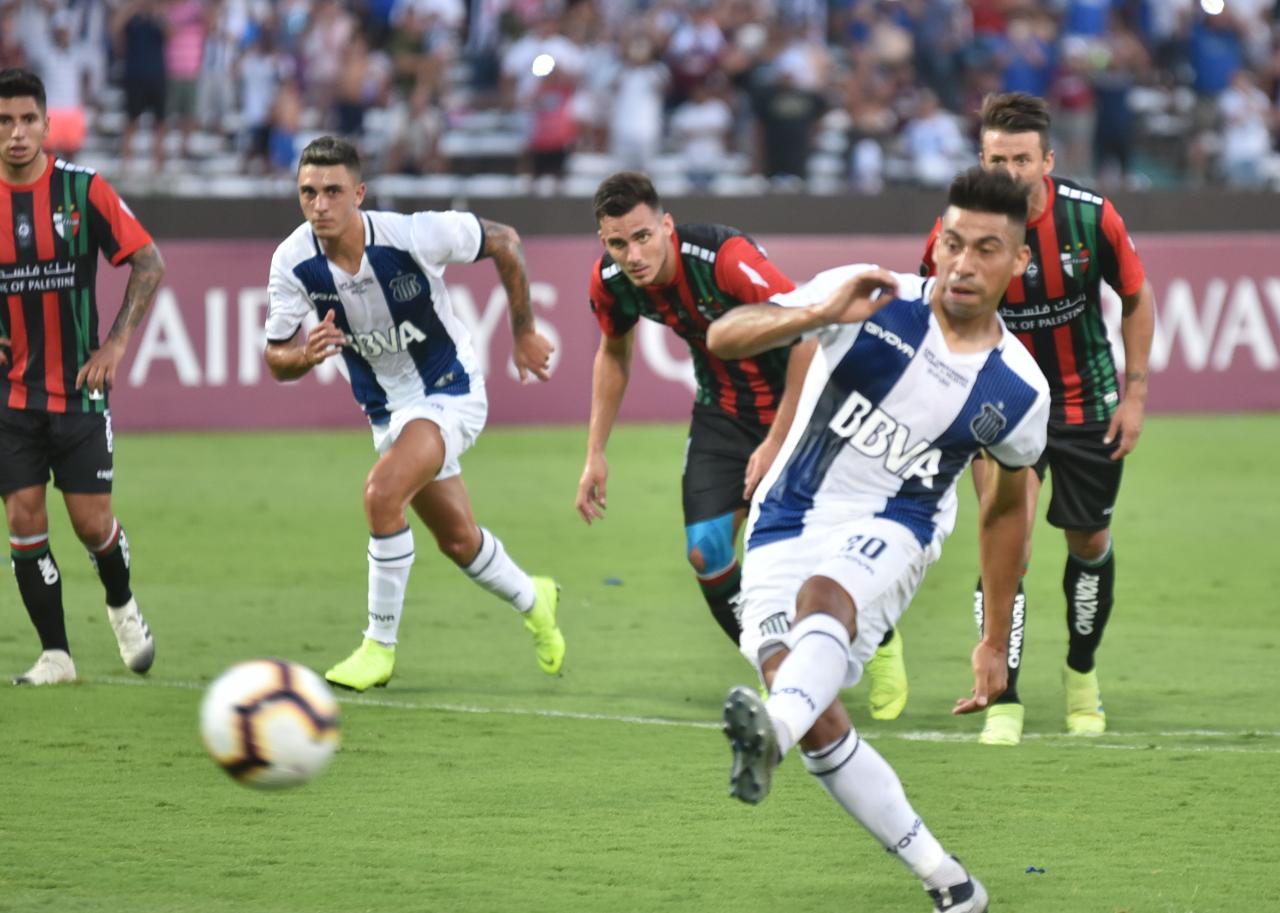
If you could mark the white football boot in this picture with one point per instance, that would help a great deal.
(52, 668)
(137, 647)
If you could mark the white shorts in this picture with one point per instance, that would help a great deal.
(878, 562)
(459, 418)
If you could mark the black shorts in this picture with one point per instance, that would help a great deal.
(715, 463)
(143, 95)
(1086, 481)
(75, 447)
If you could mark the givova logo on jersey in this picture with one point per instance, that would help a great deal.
(394, 339)
(874, 433)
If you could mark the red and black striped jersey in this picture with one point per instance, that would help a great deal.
(1055, 307)
(717, 268)
(51, 231)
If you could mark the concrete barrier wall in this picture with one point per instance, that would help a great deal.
(196, 362)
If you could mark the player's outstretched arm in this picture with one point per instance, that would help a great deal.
(1002, 534)
(146, 269)
(754, 328)
(609, 376)
(294, 357)
(1137, 326)
(532, 351)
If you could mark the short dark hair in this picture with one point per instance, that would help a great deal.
(1017, 112)
(18, 83)
(620, 193)
(979, 190)
(331, 150)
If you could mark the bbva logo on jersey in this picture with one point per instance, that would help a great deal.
(875, 433)
(393, 339)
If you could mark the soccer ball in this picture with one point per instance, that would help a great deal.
(270, 723)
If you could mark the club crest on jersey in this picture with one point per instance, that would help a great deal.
(23, 230)
(405, 287)
(1075, 262)
(1031, 275)
(987, 424)
(395, 338)
(876, 434)
(66, 222)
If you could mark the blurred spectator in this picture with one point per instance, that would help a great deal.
(261, 70)
(1122, 58)
(364, 77)
(1246, 138)
(1074, 118)
(700, 131)
(1027, 54)
(934, 144)
(186, 28)
(329, 33)
(520, 79)
(216, 97)
(285, 124)
(635, 106)
(63, 69)
(139, 34)
(694, 50)
(554, 128)
(413, 141)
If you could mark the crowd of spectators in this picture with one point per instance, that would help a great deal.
(835, 93)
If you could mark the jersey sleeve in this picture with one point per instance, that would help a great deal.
(117, 229)
(744, 272)
(613, 322)
(447, 237)
(287, 305)
(1023, 446)
(1121, 266)
(927, 266)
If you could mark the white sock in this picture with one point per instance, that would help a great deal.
(866, 787)
(494, 570)
(809, 678)
(390, 558)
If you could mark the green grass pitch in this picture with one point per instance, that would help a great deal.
(476, 783)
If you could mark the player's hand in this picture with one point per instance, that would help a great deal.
(856, 300)
(758, 464)
(990, 678)
(591, 501)
(324, 341)
(532, 354)
(1127, 423)
(99, 372)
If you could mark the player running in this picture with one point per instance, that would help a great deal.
(1077, 241)
(376, 281)
(906, 387)
(684, 277)
(55, 218)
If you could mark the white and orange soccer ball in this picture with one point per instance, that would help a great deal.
(270, 723)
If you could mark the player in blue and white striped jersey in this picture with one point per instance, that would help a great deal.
(376, 281)
(911, 379)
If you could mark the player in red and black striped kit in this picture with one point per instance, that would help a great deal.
(55, 218)
(1078, 241)
(684, 277)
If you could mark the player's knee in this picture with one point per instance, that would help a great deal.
(93, 531)
(709, 545)
(459, 545)
(1089, 546)
(823, 595)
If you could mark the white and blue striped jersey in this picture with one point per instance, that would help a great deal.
(889, 417)
(403, 338)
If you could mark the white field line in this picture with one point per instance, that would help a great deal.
(1104, 741)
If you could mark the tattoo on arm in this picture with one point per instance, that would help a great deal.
(147, 269)
(1135, 377)
(503, 244)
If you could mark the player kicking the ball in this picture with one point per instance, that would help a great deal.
(911, 379)
(375, 280)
